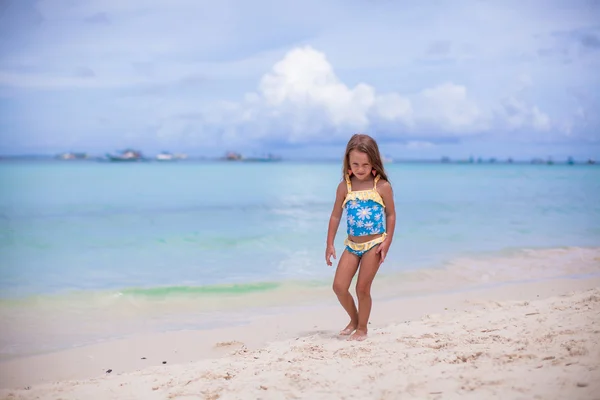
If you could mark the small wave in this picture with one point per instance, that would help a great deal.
(111, 297)
(233, 289)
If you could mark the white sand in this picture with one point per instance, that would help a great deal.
(522, 341)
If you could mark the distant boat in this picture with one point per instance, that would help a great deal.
(72, 156)
(165, 156)
(127, 155)
(387, 159)
(233, 156)
(267, 158)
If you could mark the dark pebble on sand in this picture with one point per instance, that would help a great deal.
(164, 362)
(108, 371)
(143, 358)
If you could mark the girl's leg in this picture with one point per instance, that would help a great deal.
(369, 266)
(344, 273)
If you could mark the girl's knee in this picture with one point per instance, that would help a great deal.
(363, 291)
(339, 288)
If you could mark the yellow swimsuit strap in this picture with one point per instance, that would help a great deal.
(371, 194)
(377, 178)
(348, 183)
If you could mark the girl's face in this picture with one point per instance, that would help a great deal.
(360, 165)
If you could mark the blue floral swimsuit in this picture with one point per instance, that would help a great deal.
(365, 215)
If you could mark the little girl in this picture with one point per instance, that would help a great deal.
(367, 197)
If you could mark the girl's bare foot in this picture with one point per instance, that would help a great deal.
(349, 329)
(359, 335)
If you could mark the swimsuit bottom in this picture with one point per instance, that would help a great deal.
(361, 248)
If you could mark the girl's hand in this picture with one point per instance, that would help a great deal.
(329, 252)
(383, 250)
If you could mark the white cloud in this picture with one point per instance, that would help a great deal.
(302, 99)
(304, 79)
(394, 107)
(517, 114)
(540, 121)
(449, 107)
(178, 70)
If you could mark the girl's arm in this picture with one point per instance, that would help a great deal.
(387, 194)
(334, 221)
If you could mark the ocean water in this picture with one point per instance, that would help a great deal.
(78, 238)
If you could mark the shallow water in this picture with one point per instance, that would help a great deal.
(135, 242)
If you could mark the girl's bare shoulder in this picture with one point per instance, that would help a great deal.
(342, 188)
(383, 184)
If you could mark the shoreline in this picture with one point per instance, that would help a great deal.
(46, 325)
(260, 286)
(184, 349)
(236, 321)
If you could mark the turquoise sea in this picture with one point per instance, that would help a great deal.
(140, 243)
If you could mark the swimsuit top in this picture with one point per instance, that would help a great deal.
(364, 211)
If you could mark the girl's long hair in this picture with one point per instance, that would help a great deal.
(365, 144)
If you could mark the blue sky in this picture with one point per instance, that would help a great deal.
(490, 78)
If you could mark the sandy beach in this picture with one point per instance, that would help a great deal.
(191, 187)
(527, 340)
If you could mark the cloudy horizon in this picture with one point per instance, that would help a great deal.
(456, 78)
